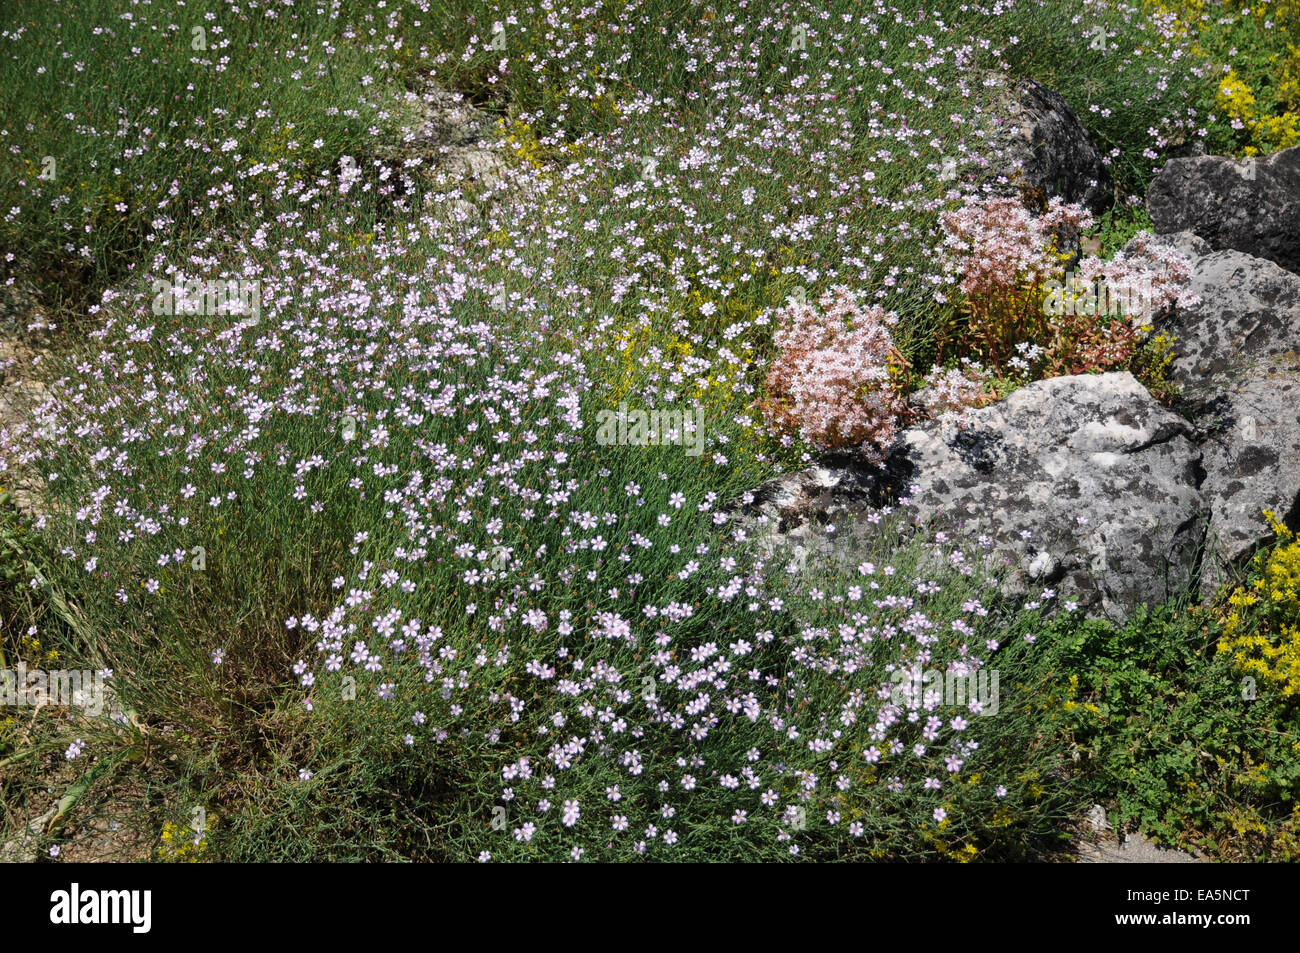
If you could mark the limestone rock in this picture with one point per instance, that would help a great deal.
(1237, 359)
(1084, 484)
(1252, 206)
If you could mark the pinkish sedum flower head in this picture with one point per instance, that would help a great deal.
(830, 382)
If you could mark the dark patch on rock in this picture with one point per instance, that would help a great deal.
(977, 449)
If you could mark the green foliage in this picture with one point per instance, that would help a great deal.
(1261, 620)
(376, 799)
(1151, 362)
(1113, 228)
(133, 115)
(1168, 738)
(1252, 55)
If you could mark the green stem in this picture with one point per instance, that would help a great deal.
(78, 790)
(20, 756)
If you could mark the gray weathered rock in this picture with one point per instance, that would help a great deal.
(1107, 848)
(1042, 149)
(1252, 206)
(1252, 464)
(1249, 313)
(1085, 484)
(1167, 499)
(1237, 358)
(446, 119)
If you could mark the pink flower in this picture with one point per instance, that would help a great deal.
(830, 382)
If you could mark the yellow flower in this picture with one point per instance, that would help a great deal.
(1263, 631)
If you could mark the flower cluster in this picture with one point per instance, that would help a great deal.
(998, 244)
(1024, 313)
(955, 390)
(1261, 624)
(1147, 277)
(830, 382)
(1001, 255)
